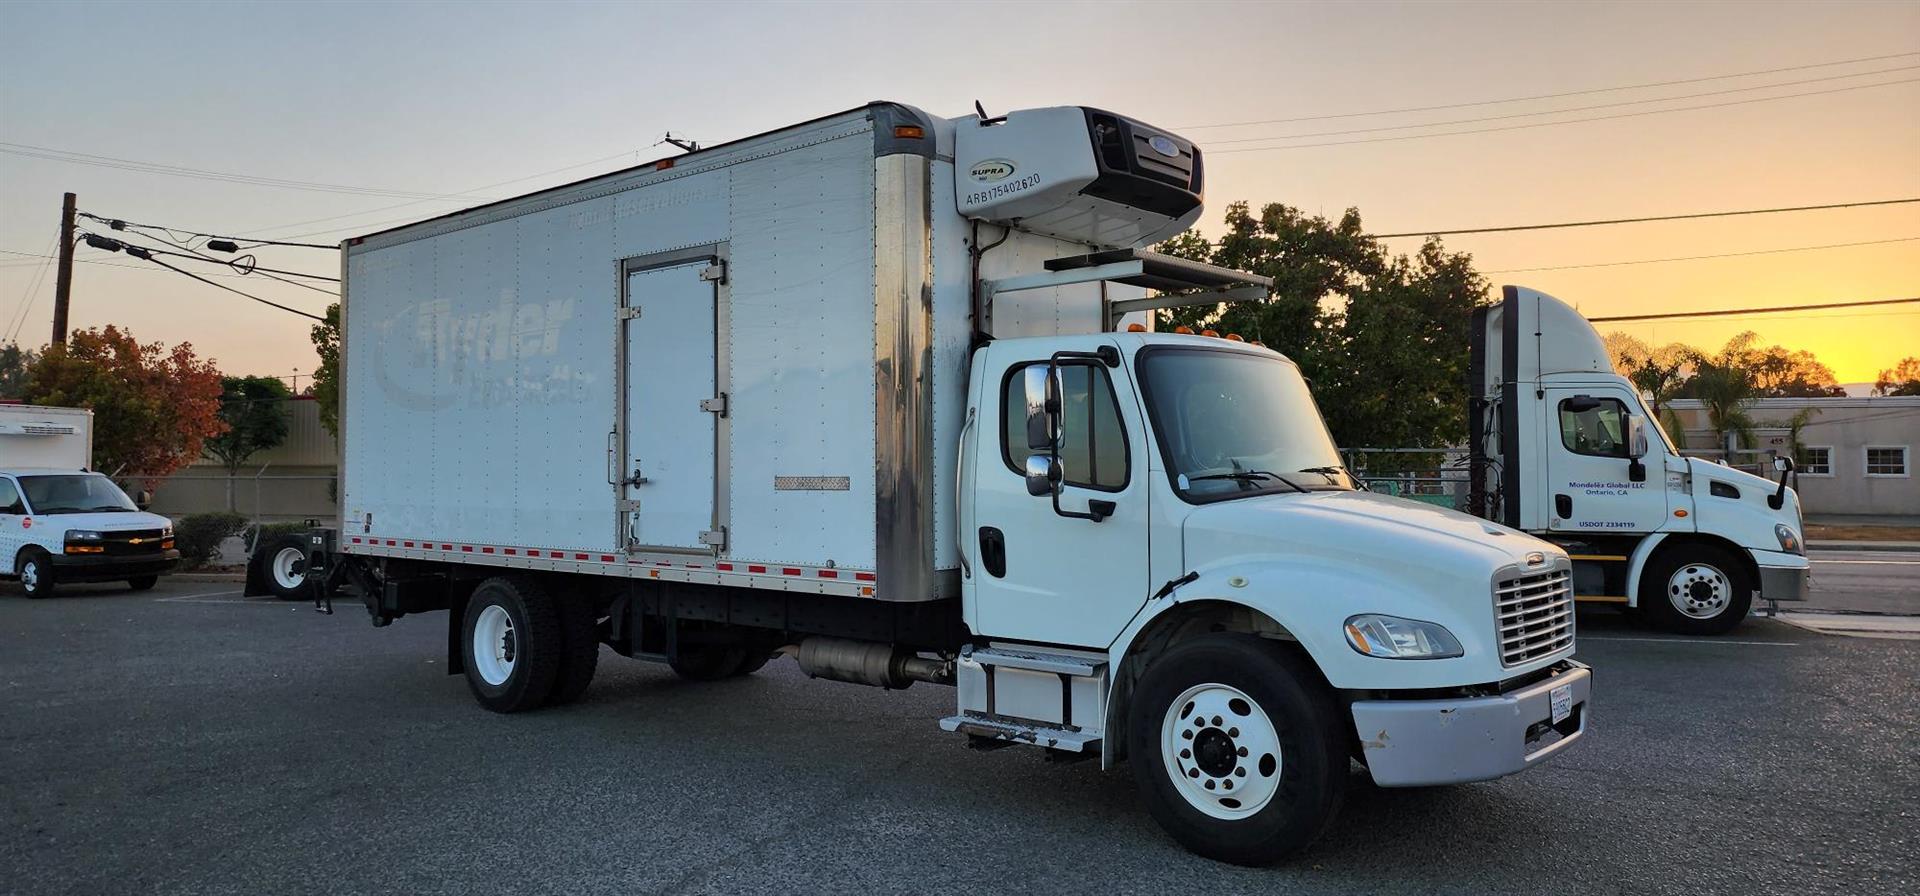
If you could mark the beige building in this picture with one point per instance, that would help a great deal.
(1856, 455)
(292, 482)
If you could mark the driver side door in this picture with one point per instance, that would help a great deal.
(1037, 575)
(1589, 467)
(13, 515)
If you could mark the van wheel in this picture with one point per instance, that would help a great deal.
(283, 562)
(579, 650)
(1236, 747)
(143, 583)
(36, 574)
(512, 638)
(1695, 590)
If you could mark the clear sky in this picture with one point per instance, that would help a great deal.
(446, 98)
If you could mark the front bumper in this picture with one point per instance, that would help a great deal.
(1416, 743)
(1782, 576)
(110, 567)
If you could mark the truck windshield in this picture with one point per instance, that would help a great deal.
(1233, 423)
(76, 493)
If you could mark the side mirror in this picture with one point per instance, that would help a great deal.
(1782, 464)
(1042, 388)
(1636, 436)
(1045, 474)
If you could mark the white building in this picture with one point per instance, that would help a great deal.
(1856, 455)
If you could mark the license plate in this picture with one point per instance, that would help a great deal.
(1561, 699)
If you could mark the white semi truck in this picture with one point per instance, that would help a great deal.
(1559, 447)
(863, 391)
(59, 522)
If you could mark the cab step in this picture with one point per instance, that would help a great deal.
(1015, 693)
(991, 733)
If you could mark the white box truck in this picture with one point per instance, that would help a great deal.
(863, 391)
(60, 522)
(1559, 447)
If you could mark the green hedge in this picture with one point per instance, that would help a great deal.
(198, 536)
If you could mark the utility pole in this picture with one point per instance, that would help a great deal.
(63, 282)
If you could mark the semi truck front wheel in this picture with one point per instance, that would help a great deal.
(1695, 589)
(1237, 748)
(513, 639)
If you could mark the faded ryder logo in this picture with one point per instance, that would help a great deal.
(991, 171)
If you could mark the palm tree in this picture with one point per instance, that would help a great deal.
(1725, 391)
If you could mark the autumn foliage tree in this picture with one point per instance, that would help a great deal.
(1901, 379)
(153, 407)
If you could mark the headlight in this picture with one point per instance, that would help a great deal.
(1393, 638)
(1789, 541)
(82, 535)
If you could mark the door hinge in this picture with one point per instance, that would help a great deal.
(627, 505)
(627, 313)
(715, 405)
(716, 272)
(715, 538)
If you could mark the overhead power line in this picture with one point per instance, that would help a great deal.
(1614, 264)
(1548, 124)
(81, 158)
(168, 234)
(1550, 96)
(146, 253)
(1755, 211)
(1512, 115)
(147, 257)
(1731, 311)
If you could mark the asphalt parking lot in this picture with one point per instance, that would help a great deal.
(187, 740)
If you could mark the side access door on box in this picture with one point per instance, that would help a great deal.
(670, 431)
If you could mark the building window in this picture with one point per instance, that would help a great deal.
(1814, 460)
(1885, 460)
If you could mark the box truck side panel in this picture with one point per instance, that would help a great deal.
(801, 347)
(38, 436)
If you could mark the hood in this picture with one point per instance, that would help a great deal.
(1359, 527)
(1740, 479)
(105, 521)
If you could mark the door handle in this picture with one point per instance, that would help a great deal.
(993, 551)
(1563, 505)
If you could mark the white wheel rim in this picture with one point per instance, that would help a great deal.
(30, 575)
(1221, 751)
(494, 647)
(1699, 591)
(290, 568)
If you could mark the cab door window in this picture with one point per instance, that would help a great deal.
(10, 499)
(1093, 442)
(1597, 432)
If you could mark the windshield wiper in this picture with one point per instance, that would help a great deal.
(1328, 472)
(1249, 477)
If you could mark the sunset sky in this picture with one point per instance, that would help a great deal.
(445, 99)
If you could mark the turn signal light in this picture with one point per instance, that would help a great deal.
(1184, 330)
(663, 165)
(85, 549)
(1136, 328)
(166, 544)
(1234, 337)
(1214, 333)
(909, 131)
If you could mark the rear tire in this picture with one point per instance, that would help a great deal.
(143, 583)
(1695, 589)
(755, 658)
(283, 566)
(512, 636)
(36, 574)
(579, 650)
(1237, 748)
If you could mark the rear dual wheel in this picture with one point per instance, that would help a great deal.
(526, 647)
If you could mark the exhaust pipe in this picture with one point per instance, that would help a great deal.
(869, 663)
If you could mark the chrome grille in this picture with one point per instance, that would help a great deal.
(1534, 615)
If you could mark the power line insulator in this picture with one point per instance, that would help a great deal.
(223, 245)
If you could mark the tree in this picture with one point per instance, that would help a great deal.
(1902, 379)
(326, 376)
(1779, 373)
(14, 363)
(1383, 338)
(255, 411)
(1659, 373)
(153, 407)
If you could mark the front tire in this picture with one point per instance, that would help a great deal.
(143, 583)
(1696, 589)
(1237, 748)
(36, 574)
(512, 636)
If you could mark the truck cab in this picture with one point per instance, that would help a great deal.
(60, 522)
(1565, 448)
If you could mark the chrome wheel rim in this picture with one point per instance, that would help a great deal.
(290, 568)
(1699, 591)
(494, 646)
(1221, 751)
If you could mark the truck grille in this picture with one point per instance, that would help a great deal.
(1534, 615)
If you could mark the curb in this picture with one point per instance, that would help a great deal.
(1908, 546)
(208, 577)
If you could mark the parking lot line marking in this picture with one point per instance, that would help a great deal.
(1702, 641)
(1876, 562)
(200, 598)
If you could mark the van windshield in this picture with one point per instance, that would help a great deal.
(74, 493)
(1234, 423)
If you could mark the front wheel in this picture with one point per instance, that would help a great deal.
(36, 574)
(1695, 590)
(1237, 748)
(143, 583)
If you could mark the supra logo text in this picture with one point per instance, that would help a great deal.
(992, 171)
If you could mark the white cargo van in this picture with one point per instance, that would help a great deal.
(61, 523)
(863, 391)
(1560, 447)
